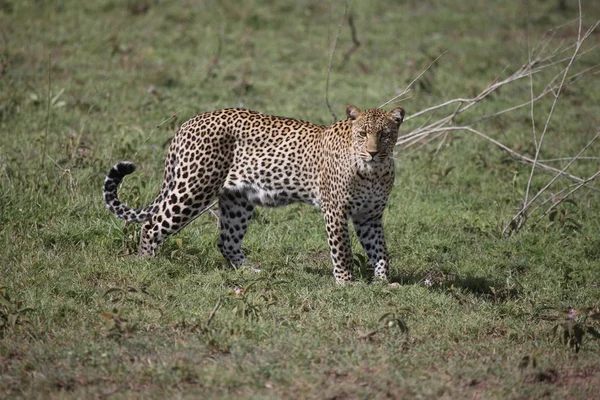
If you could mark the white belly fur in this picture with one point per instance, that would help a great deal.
(267, 197)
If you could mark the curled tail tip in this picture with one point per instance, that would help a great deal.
(121, 169)
(125, 167)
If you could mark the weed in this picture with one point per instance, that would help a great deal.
(573, 325)
(117, 326)
(12, 315)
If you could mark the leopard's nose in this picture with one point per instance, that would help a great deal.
(373, 153)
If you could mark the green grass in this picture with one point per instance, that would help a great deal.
(87, 319)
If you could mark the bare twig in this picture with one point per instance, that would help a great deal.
(408, 88)
(47, 129)
(538, 144)
(174, 116)
(522, 213)
(519, 219)
(214, 61)
(516, 155)
(542, 59)
(331, 59)
(565, 197)
(531, 108)
(524, 71)
(213, 313)
(567, 159)
(355, 41)
(558, 195)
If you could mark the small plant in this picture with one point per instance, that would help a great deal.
(12, 315)
(120, 295)
(560, 217)
(130, 240)
(252, 305)
(390, 323)
(55, 101)
(574, 324)
(117, 326)
(440, 175)
(361, 265)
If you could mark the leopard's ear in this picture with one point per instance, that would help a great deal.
(353, 112)
(397, 114)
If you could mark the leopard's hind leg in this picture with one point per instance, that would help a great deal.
(178, 208)
(236, 211)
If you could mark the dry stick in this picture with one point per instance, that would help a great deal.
(513, 153)
(526, 207)
(214, 61)
(552, 196)
(538, 145)
(519, 219)
(568, 158)
(408, 88)
(524, 71)
(531, 105)
(331, 60)
(534, 65)
(213, 313)
(558, 194)
(563, 198)
(552, 60)
(549, 89)
(484, 93)
(355, 42)
(152, 132)
(47, 116)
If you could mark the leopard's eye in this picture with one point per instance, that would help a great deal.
(362, 133)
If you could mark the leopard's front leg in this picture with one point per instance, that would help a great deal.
(336, 224)
(370, 235)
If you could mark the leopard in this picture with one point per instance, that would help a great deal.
(243, 159)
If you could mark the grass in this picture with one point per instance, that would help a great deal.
(81, 317)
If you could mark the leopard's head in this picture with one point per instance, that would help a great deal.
(374, 132)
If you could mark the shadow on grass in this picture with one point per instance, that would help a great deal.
(458, 286)
(493, 290)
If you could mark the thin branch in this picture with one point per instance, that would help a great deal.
(408, 88)
(538, 146)
(355, 42)
(331, 60)
(541, 58)
(568, 158)
(47, 129)
(523, 71)
(565, 197)
(531, 108)
(518, 156)
(214, 61)
(434, 108)
(174, 116)
(531, 96)
(213, 313)
(520, 215)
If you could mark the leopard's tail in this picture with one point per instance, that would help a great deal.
(111, 183)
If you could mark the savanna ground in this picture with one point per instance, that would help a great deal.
(478, 314)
